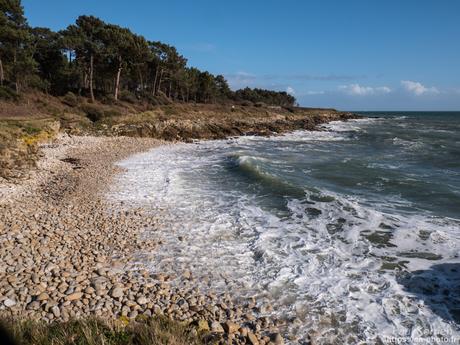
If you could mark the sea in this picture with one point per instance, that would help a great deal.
(350, 232)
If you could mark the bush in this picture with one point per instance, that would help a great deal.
(35, 82)
(108, 99)
(93, 112)
(246, 103)
(260, 104)
(112, 113)
(290, 109)
(70, 99)
(162, 98)
(170, 110)
(31, 130)
(149, 98)
(127, 96)
(8, 94)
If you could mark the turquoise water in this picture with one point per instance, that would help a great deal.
(352, 231)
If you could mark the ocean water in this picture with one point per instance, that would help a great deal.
(352, 232)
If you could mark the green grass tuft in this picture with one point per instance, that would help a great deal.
(151, 331)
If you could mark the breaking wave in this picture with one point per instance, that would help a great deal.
(350, 239)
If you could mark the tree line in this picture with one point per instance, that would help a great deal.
(100, 60)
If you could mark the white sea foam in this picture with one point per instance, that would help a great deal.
(408, 144)
(350, 125)
(299, 136)
(319, 264)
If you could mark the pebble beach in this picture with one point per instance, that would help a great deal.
(66, 252)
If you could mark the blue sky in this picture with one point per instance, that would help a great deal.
(353, 55)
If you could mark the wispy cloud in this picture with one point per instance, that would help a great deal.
(282, 81)
(306, 77)
(417, 88)
(358, 90)
(244, 75)
(300, 76)
(241, 79)
(313, 93)
(290, 90)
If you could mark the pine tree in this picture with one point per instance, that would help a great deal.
(16, 51)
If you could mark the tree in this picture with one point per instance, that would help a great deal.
(207, 88)
(51, 62)
(158, 56)
(140, 55)
(103, 59)
(223, 89)
(118, 44)
(16, 61)
(192, 83)
(86, 39)
(266, 96)
(169, 66)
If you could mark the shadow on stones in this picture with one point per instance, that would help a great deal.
(75, 162)
(438, 287)
(5, 337)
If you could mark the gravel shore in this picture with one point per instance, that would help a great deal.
(66, 253)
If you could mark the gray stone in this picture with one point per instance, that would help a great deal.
(56, 311)
(142, 300)
(43, 297)
(74, 296)
(252, 339)
(216, 327)
(35, 305)
(117, 292)
(230, 327)
(9, 303)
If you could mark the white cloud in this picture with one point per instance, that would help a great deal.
(312, 93)
(245, 74)
(358, 90)
(241, 79)
(417, 88)
(290, 90)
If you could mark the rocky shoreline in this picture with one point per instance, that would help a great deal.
(67, 253)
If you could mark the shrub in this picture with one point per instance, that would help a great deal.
(246, 103)
(170, 110)
(149, 98)
(162, 99)
(8, 94)
(127, 96)
(70, 99)
(93, 112)
(290, 109)
(108, 99)
(260, 104)
(154, 101)
(31, 130)
(35, 82)
(112, 113)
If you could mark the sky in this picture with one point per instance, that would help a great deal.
(350, 55)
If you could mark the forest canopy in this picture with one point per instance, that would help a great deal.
(101, 60)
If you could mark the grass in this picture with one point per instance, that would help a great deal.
(19, 140)
(151, 331)
(29, 132)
